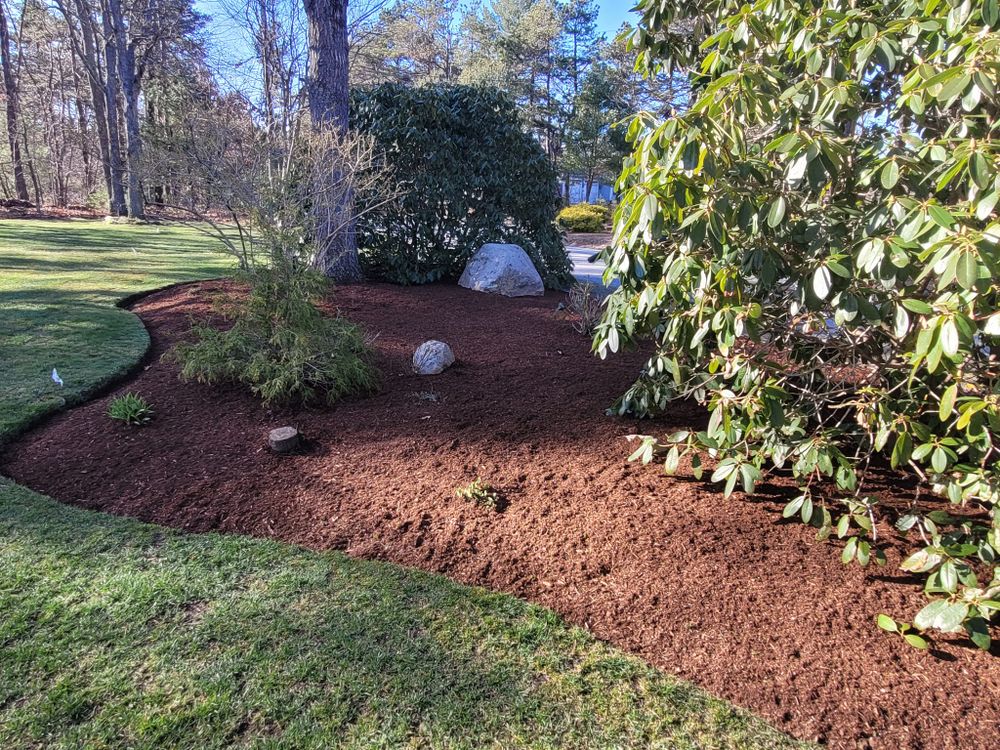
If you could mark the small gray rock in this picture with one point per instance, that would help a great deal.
(502, 269)
(432, 358)
(283, 439)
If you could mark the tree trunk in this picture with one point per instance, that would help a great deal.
(10, 89)
(128, 79)
(117, 168)
(89, 57)
(81, 122)
(329, 104)
(35, 183)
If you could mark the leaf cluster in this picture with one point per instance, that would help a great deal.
(814, 249)
(481, 493)
(132, 409)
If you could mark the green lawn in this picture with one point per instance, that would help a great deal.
(115, 633)
(59, 281)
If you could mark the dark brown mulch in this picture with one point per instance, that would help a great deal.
(720, 592)
(594, 240)
(48, 212)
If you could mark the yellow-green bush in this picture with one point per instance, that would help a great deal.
(583, 217)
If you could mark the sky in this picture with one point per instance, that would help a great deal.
(613, 14)
(228, 40)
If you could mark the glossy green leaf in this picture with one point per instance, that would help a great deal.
(890, 175)
(777, 212)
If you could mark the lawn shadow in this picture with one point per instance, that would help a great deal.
(271, 640)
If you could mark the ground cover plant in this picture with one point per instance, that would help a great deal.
(469, 174)
(132, 409)
(59, 282)
(120, 633)
(481, 493)
(813, 246)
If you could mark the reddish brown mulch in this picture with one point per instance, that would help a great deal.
(723, 593)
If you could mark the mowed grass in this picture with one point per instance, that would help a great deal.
(118, 634)
(115, 633)
(59, 282)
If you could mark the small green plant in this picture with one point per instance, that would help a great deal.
(905, 630)
(583, 217)
(481, 493)
(131, 408)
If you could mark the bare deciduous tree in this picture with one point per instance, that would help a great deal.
(10, 86)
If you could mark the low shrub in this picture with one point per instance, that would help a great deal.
(583, 217)
(584, 303)
(469, 173)
(280, 343)
(277, 340)
(132, 409)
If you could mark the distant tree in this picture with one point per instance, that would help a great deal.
(659, 92)
(514, 45)
(10, 86)
(611, 92)
(581, 42)
(413, 42)
(89, 81)
(592, 149)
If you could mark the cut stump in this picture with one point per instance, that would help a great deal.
(283, 439)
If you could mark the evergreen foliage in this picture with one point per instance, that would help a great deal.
(468, 173)
(813, 247)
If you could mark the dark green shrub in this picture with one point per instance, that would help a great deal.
(131, 408)
(583, 217)
(469, 174)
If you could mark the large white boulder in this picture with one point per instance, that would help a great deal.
(502, 269)
(432, 358)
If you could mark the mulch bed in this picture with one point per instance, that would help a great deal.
(595, 240)
(723, 593)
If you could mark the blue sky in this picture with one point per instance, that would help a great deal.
(227, 39)
(613, 14)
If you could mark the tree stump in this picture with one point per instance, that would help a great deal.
(283, 439)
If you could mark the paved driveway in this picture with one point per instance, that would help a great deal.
(583, 268)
